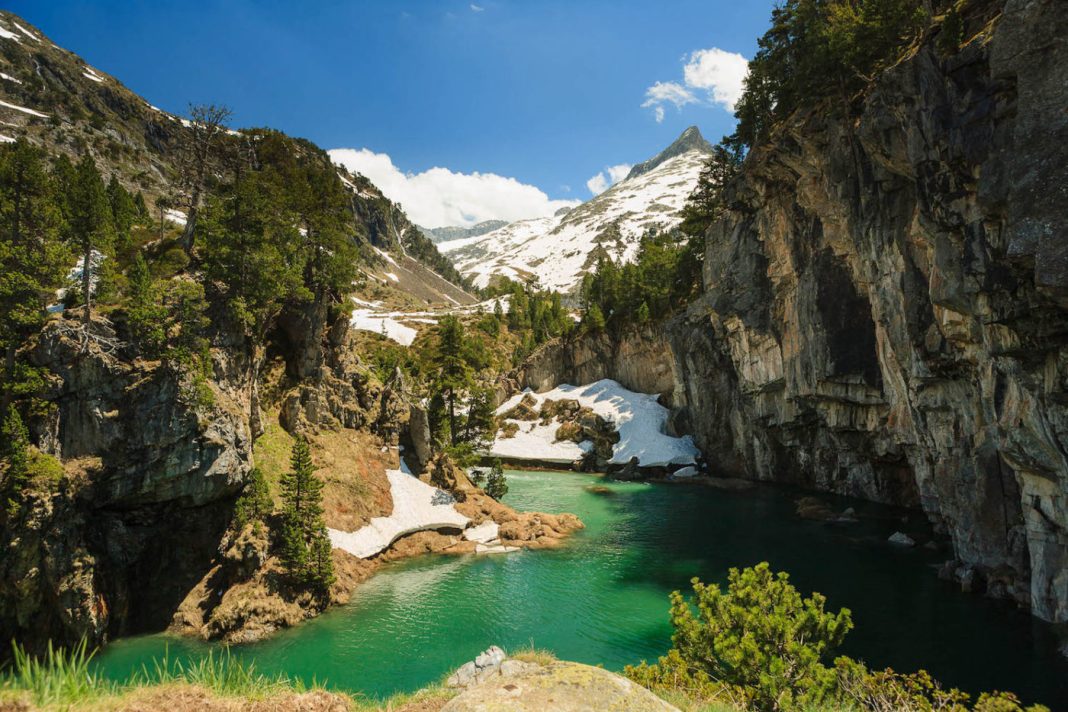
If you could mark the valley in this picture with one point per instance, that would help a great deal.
(259, 425)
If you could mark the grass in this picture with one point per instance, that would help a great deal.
(530, 654)
(271, 451)
(64, 679)
(61, 677)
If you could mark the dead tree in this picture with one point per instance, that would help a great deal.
(207, 124)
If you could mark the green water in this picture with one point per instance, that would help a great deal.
(603, 598)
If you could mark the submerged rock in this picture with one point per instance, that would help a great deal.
(901, 539)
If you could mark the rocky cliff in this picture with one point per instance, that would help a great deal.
(885, 312)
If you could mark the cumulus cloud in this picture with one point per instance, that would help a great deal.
(712, 77)
(439, 197)
(607, 178)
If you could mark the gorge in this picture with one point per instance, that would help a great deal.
(277, 414)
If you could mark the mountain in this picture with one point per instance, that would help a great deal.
(56, 100)
(690, 140)
(556, 251)
(444, 234)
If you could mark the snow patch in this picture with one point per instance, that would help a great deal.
(638, 418)
(23, 109)
(368, 320)
(8, 34)
(416, 507)
(6, 139)
(90, 74)
(10, 78)
(26, 32)
(175, 216)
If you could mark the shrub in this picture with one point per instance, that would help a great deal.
(496, 484)
(255, 502)
(759, 637)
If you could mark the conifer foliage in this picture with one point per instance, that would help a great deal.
(305, 543)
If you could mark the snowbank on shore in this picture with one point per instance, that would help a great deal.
(416, 507)
(638, 418)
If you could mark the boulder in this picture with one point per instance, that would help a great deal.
(901, 539)
(557, 686)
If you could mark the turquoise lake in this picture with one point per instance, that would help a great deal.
(603, 599)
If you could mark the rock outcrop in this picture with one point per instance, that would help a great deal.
(493, 681)
(885, 311)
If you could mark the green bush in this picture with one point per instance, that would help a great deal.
(760, 646)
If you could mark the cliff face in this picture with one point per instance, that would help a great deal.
(885, 305)
(885, 312)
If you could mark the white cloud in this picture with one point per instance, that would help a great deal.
(721, 74)
(712, 77)
(438, 197)
(664, 92)
(608, 177)
(476, 8)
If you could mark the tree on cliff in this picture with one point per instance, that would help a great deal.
(32, 256)
(90, 229)
(453, 375)
(255, 502)
(199, 156)
(305, 542)
(14, 453)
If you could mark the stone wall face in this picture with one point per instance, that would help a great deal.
(885, 312)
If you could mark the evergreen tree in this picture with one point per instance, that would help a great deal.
(304, 553)
(199, 158)
(255, 502)
(32, 257)
(14, 453)
(453, 371)
(90, 227)
(123, 214)
(594, 319)
(145, 314)
(496, 484)
(140, 208)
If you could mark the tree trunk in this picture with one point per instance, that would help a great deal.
(87, 293)
(9, 370)
(190, 223)
(452, 417)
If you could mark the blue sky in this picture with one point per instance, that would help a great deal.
(549, 93)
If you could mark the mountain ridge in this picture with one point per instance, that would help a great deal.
(556, 251)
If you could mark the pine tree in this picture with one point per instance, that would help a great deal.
(14, 452)
(594, 320)
(453, 371)
(496, 484)
(123, 213)
(90, 227)
(199, 157)
(32, 257)
(145, 315)
(305, 553)
(255, 502)
(140, 207)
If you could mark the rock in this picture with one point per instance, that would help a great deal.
(481, 668)
(629, 472)
(901, 539)
(559, 687)
(874, 318)
(419, 435)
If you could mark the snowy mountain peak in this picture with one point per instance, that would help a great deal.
(689, 140)
(556, 251)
